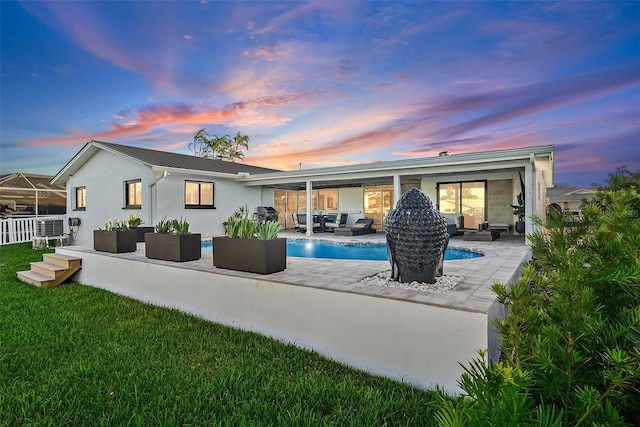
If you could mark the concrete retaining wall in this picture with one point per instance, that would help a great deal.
(417, 343)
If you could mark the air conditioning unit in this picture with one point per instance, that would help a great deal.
(50, 227)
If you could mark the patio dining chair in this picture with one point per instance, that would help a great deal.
(296, 222)
(302, 220)
(339, 222)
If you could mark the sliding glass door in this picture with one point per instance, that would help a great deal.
(378, 201)
(467, 198)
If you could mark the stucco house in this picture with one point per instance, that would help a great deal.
(106, 180)
(569, 199)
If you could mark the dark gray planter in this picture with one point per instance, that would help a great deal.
(519, 227)
(114, 241)
(252, 255)
(142, 231)
(173, 247)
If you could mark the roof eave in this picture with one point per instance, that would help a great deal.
(505, 156)
(72, 165)
(195, 172)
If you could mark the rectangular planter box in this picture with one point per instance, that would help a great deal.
(173, 247)
(252, 255)
(142, 231)
(114, 241)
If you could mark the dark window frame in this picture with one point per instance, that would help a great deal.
(460, 191)
(127, 202)
(77, 206)
(199, 205)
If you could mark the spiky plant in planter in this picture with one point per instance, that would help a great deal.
(250, 246)
(172, 241)
(116, 237)
(135, 223)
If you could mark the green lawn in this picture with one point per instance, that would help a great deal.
(75, 355)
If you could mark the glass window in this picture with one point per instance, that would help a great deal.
(280, 204)
(81, 198)
(467, 198)
(302, 200)
(198, 195)
(321, 200)
(378, 201)
(133, 194)
(328, 199)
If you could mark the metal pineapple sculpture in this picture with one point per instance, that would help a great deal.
(416, 239)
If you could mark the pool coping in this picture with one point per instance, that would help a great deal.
(501, 263)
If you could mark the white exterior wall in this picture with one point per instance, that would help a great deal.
(267, 199)
(104, 177)
(351, 201)
(228, 197)
(105, 196)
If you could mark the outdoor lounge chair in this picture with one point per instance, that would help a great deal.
(361, 226)
(338, 222)
(302, 220)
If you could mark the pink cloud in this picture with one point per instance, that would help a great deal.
(137, 123)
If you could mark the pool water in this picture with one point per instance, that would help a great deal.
(320, 249)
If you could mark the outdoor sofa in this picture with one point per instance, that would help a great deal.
(361, 226)
(455, 223)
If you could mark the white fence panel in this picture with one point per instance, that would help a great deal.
(18, 230)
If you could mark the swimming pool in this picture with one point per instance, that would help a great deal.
(320, 249)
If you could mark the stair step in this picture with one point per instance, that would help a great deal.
(36, 279)
(53, 270)
(49, 270)
(62, 260)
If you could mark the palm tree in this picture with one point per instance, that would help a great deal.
(234, 147)
(219, 146)
(200, 144)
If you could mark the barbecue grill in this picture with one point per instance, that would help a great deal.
(266, 213)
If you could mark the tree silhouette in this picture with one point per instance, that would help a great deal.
(219, 147)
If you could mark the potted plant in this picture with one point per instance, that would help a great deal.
(116, 237)
(519, 208)
(172, 241)
(134, 222)
(250, 246)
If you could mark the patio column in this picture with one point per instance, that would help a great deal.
(309, 189)
(397, 190)
(529, 199)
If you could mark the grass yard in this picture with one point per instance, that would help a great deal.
(75, 355)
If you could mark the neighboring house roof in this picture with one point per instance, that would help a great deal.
(25, 193)
(28, 181)
(555, 195)
(159, 160)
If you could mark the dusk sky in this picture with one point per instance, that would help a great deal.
(324, 83)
